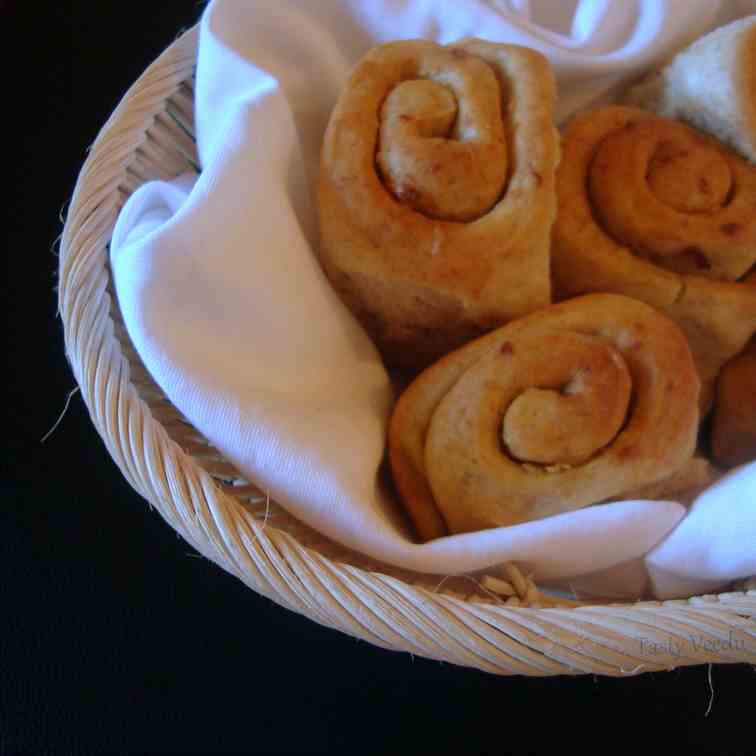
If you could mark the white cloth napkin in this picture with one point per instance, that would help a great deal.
(226, 304)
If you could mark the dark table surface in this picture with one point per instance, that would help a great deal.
(115, 637)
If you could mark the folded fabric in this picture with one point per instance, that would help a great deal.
(229, 310)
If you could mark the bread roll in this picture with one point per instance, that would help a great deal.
(436, 192)
(652, 209)
(734, 423)
(572, 405)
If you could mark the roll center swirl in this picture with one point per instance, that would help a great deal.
(673, 196)
(579, 408)
(442, 145)
(690, 180)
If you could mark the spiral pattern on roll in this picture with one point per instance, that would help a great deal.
(676, 198)
(570, 406)
(442, 146)
(651, 208)
(436, 192)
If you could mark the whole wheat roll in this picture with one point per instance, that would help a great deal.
(574, 404)
(733, 429)
(436, 192)
(711, 85)
(651, 208)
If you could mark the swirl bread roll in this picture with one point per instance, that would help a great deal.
(733, 440)
(571, 405)
(436, 193)
(711, 85)
(652, 209)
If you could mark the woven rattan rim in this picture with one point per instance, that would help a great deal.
(504, 625)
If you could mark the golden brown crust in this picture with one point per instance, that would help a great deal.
(436, 192)
(733, 440)
(684, 485)
(575, 362)
(651, 209)
(734, 424)
(746, 87)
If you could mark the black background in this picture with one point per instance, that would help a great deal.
(115, 637)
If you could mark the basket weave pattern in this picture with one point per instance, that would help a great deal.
(501, 626)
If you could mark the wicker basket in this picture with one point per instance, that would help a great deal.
(504, 627)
